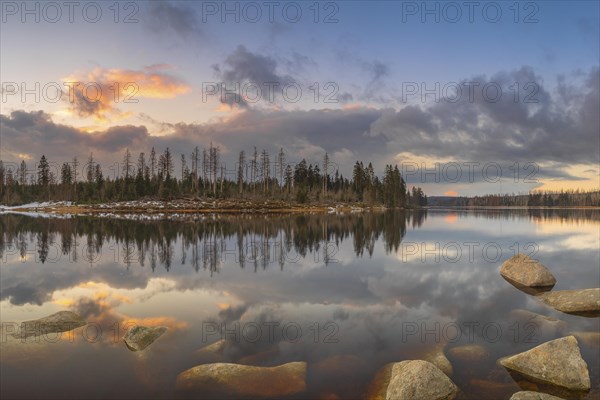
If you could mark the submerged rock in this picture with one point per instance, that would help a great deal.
(412, 380)
(214, 352)
(591, 339)
(140, 337)
(61, 321)
(525, 271)
(469, 353)
(557, 363)
(235, 380)
(437, 357)
(528, 395)
(584, 302)
(541, 321)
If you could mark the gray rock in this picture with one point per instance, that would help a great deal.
(556, 363)
(235, 380)
(584, 302)
(61, 321)
(412, 380)
(138, 338)
(528, 395)
(526, 271)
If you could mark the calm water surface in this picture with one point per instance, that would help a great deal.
(345, 293)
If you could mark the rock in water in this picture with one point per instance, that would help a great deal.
(526, 271)
(591, 339)
(437, 357)
(412, 380)
(235, 380)
(61, 321)
(585, 302)
(468, 353)
(527, 395)
(544, 322)
(556, 363)
(140, 337)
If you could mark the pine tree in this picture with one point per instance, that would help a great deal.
(43, 172)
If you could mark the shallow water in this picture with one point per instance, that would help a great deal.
(345, 293)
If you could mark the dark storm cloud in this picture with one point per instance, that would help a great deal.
(260, 74)
(35, 133)
(560, 127)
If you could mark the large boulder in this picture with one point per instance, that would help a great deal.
(584, 302)
(235, 380)
(524, 271)
(528, 395)
(412, 380)
(61, 321)
(556, 363)
(138, 338)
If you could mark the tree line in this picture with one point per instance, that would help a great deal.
(203, 174)
(559, 198)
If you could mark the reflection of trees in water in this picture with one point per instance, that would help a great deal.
(543, 214)
(259, 240)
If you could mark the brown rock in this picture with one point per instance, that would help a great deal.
(469, 353)
(61, 321)
(557, 363)
(591, 339)
(235, 380)
(138, 338)
(526, 271)
(414, 380)
(437, 357)
(213, 352)
(585, 302)
(542, 321)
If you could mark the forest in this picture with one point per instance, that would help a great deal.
(548, 198)
(201, 175)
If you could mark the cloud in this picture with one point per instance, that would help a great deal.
(37, 132)
(553, 128)
(558, 131)
(96, 93)
(257, 76)
(164, 17)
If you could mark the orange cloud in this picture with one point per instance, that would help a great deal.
(97, 92)
(451, 193)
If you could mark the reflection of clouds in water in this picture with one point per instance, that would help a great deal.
(371, 299)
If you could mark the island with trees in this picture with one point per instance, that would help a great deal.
(202, 182)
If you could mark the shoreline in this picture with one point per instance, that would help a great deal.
(188, 207)
(170, 207)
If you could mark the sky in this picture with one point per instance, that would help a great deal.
(467, 98)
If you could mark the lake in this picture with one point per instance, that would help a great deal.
(346, 293)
